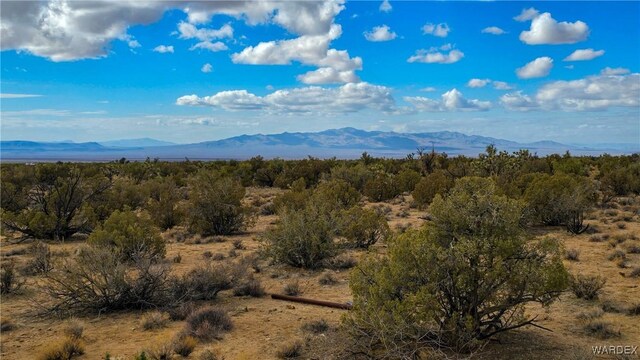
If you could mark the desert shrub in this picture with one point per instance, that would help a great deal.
(295, 199)
(559, 199)
(316, 327)
(290, 351)
(60, 203)
(208, 323)
(572, 255)
(616, 255)
(621, 226)
(181, 311)
(420, 295)
(97, 280)
(341, 262)
(65, 349)
(162, 204)
(238, 245)
(129, 236)
(252, 288)
(586, 287)
(634, 309)
(601, 330)
(184, 345)
(336, 194)
(611, 306)
(153, 320)
(633, 249)
(162, 351)
(215, 206)
(10, 281)
(381, 187)
(292, 289)
(429, 186)
(302, 238)
(635, 272)
(407, 179)
(356, 176)
(327, 279)
(209, 354)
(41, 261)
(206, 281)
(362, 227)
(598, 237)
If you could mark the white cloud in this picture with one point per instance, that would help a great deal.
(385, 6)
(163, 49)
(190, 31)
(206, 68)
(584, 54)
(527, 14)
(539, 67)
(17, 96)
(518, 102)
(494, 30)
(347, 98)
(501, 85)
(439, 30)
(614, 71)
(306, 49)
(597, 92)
(546, 30)
(428, 89)
(208, 45)
(432, 55)
(380, 33)
(452, 100)
(478, 83)
(327, 75)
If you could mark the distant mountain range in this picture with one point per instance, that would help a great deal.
(341, 143)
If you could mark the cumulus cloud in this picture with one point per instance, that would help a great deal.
(501, 85)
(434, 55)
(211, 46)
(614, 71)
(206, 68)
(592, 93)
(539, 67)
(478, 83)
(385, 6)
(163, 49)
(494, 30)
(439, 30)
(527, 14)
(351, 97)
(597, 92)
(546, 30)
(518, 102)
(327, 75)
(380, 33)
(584, 54)
(306, 49)
(452, 100)
(190, 31)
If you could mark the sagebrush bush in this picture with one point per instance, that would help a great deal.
(129, 236)
(208, 323)
(215, 205)
(97, 280)
(302, 238)
(587, 287)
(419, 295)
(206, 281)
(362, 227)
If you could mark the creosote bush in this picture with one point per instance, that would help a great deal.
(129, 236)
(215, 206)
(461, 279)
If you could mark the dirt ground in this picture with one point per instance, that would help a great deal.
(263, 325)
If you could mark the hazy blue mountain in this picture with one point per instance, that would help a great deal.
(341, 143)
(129, 143)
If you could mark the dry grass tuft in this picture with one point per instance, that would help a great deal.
(65, 349)
(154, 320)
(290, 351)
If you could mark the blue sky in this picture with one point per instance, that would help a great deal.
(196, 71)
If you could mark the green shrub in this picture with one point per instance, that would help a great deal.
(162, 205)
(381, 187)
(302, 238)
(129, 236)
(463, 278)
(407, 179)
(362, 227)
(429, 186)
(215, 206)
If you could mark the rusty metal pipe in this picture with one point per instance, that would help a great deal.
(330, 304)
